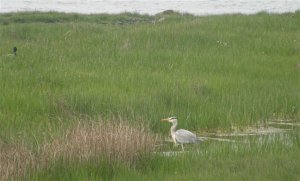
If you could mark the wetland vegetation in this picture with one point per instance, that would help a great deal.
(76, 76)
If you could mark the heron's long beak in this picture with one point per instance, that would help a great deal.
(165, 119)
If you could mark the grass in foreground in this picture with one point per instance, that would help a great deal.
(255, 160)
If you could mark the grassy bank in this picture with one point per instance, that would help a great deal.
(214, 72)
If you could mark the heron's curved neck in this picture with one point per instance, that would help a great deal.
(173, 127)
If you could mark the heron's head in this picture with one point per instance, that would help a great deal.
(170, 119)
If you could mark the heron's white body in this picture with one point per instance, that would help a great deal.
(181, 136)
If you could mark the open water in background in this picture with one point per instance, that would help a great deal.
(196, 7)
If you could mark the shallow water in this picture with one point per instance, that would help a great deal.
(271, 128)
(260, 135)
(196, 7)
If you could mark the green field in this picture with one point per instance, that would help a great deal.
(213, 73)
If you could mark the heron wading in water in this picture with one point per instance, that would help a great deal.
(180, 136)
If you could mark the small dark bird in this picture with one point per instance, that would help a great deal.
(15, 51)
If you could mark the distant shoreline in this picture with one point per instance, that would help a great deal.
(144, 14)
(113, 19)
(152, 7)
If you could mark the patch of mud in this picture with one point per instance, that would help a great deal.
(170, 153)
(253, 131)
(272, 127)
(284, 123)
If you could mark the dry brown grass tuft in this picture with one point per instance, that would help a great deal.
(86, 140)
(104, 140)
(15, 160)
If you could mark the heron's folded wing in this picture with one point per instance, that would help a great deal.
(185, 136)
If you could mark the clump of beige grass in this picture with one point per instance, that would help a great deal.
(15, 159)
(112, 140)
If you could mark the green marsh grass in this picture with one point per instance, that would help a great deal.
(208, 71)
(214, 72)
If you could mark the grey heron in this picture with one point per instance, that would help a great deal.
(180, 136)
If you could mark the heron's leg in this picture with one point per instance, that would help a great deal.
(182, 147)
